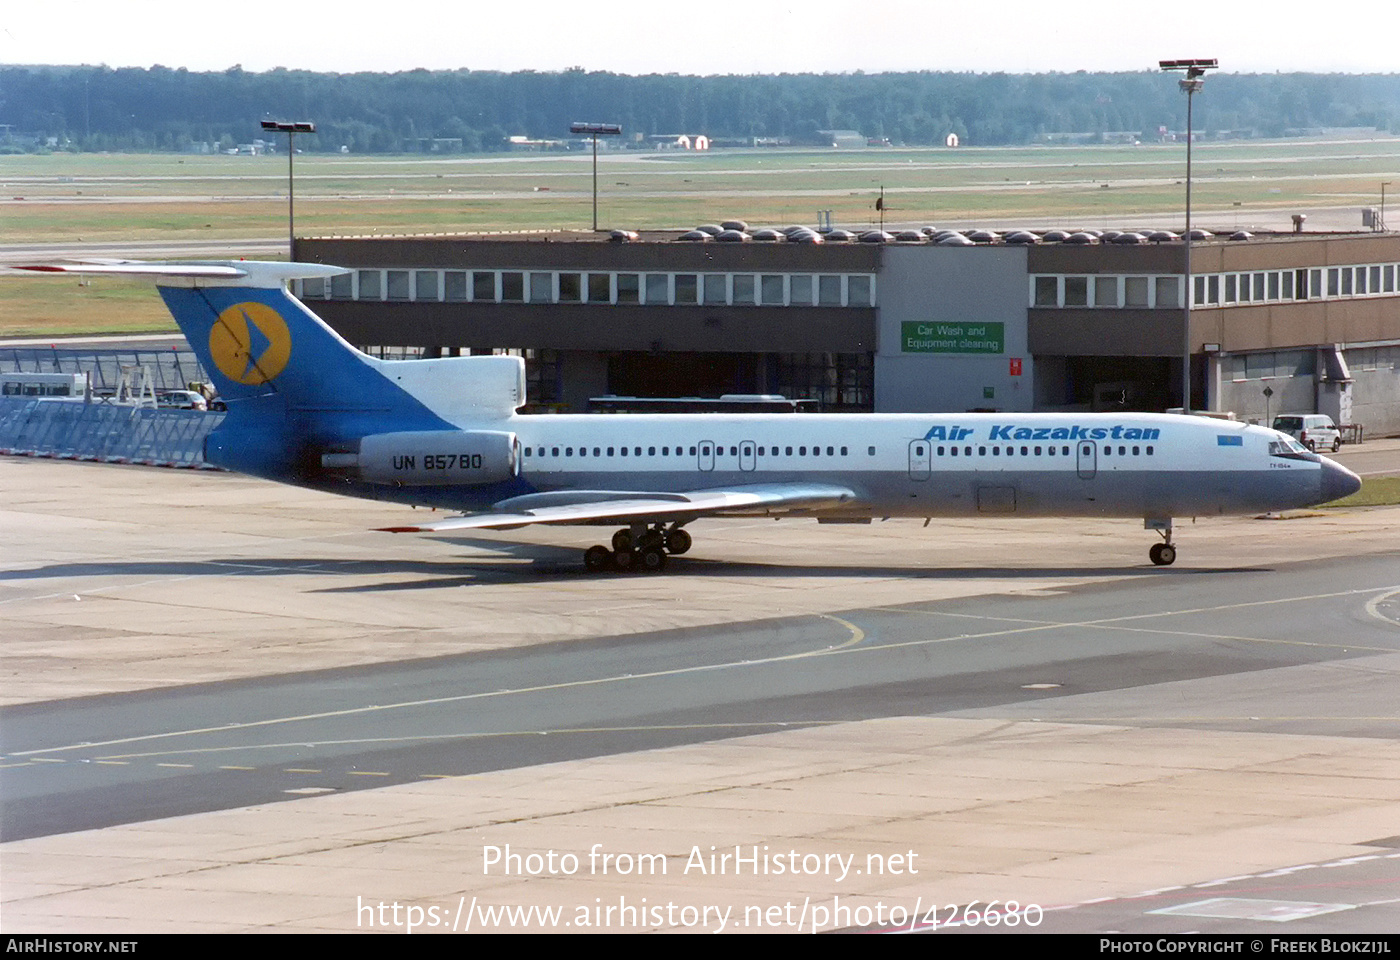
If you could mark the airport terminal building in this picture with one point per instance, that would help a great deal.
(1304, 322)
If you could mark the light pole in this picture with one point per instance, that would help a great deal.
(596, 130)
(1383, 186)
(1191, 83)
(290, 129)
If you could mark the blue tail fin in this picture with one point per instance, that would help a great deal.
(295, 389)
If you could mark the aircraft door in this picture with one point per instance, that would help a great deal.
(747, 456)
(920, 452)
(1088, 459)
(706, 455)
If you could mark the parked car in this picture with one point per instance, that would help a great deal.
(1316, 431)
(181, 400)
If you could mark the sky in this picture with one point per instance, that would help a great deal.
(715, 37)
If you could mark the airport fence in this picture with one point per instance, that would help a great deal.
(106, 432)
(172, 369)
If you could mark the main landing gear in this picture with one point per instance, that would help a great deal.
(638, 547)
(1162, 554)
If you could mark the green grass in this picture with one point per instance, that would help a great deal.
(71, 198)
(115, 197)
(68, 305)
(1374, 492)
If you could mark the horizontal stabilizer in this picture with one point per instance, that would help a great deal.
(237, 273)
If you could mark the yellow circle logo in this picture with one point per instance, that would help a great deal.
(250, 343)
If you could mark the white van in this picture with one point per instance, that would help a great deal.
(1316, 431)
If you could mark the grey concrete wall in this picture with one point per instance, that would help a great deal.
(1375, 401)
(951, 285)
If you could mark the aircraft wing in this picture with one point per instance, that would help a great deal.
(615, 506)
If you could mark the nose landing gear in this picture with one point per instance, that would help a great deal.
(1162, 554)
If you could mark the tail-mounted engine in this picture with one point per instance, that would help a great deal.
(431, 458)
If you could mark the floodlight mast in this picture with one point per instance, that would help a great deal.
(290, 128)
(596, 130)
(1191, 84)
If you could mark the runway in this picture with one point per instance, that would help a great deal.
(77, 765)
(265, 698)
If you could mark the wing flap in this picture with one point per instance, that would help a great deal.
(644, 507)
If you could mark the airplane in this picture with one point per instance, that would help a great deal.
(307, 408)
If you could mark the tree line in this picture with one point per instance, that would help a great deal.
(91, 108)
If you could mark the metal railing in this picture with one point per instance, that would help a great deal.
(105, 432)
(172, 369)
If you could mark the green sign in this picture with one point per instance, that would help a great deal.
(916, 337)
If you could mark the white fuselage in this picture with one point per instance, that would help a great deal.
(1146, 465)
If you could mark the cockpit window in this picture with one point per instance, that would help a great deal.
(1288, 447)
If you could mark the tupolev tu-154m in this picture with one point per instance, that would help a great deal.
(307, 408)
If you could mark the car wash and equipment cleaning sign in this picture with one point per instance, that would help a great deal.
(917, 337)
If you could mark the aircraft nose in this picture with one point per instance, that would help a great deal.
(1337, 481)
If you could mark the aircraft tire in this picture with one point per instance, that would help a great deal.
(651, 559)
(622, 540)
(677, 542)
(625, 560)
(597, 559)
(1162, 554)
